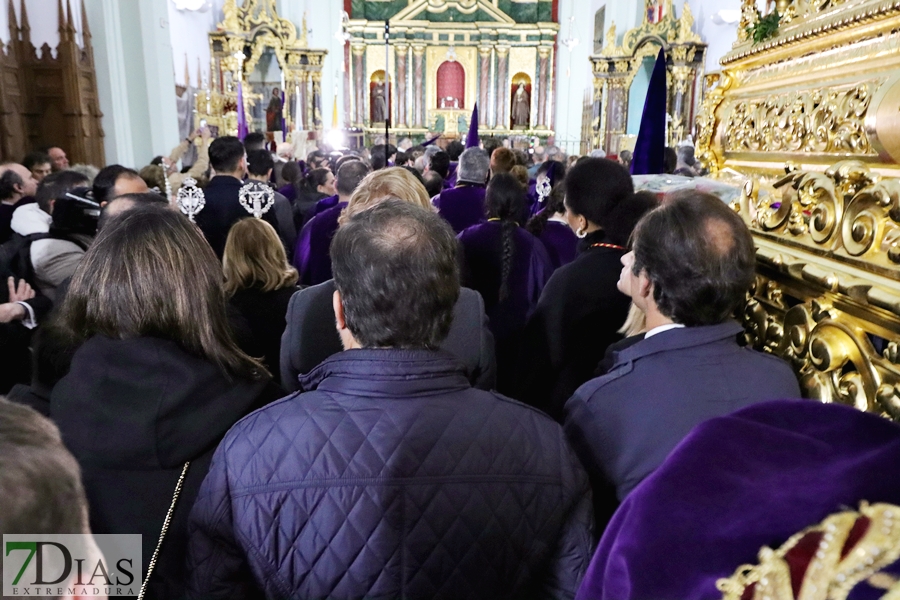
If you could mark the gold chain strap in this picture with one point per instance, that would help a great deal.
(165, 528)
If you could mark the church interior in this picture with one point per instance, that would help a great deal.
(785, 111)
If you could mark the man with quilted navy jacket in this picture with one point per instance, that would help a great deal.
(388, 475)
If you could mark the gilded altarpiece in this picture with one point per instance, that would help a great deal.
(808, 122)
(444, 57)
(248, 35)
(617, 65)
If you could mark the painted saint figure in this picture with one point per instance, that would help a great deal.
(274, 112)
(379, 106)
(522, 107)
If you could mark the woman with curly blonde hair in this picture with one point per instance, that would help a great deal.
(260, 283)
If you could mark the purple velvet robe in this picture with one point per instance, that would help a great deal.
(561, 243)
(289, 192)
(326, 203)
(462, 206)
(311, 257)
(482, 257)
(735, 484)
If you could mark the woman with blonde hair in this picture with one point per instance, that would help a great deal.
(311, 337)
(260, 283)
(155, 383)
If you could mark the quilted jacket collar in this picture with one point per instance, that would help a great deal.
(387, 373)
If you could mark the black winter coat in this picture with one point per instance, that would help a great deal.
(577, 317)
(133, 412)
(392, 478)
(264, 314)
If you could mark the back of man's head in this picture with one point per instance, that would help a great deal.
(55, 185)
(349, 175)
(126, 202)
(474, 166)
(259, 162)
(502, 160)
(255, 141)
(440, 163)
(225, 154)
(699, 256)
(396, 250)
(40, 482)
(105, 181)
(455, 150)
(378, 156)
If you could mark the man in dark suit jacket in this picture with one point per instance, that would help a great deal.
(310, 337)
(223, 209)
(691, 266)
(21, 309)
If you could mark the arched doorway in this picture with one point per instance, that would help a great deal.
(451, 85)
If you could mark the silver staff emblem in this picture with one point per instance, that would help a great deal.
(191, 199)
(257, 198)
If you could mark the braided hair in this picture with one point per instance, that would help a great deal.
(505, 202)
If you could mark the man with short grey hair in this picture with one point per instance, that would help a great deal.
(463, 206)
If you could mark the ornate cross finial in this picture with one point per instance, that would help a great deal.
(191, 199)
(257, 198)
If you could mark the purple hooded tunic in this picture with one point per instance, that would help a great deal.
(462, 206)
(311, 256)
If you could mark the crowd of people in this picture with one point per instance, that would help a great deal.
(425, 372)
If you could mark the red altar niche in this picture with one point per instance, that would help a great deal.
(520, 104)
(451, 85)
(378, 97)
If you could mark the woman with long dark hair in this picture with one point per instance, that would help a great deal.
(581, 309)
(155, 383)
(508, 266)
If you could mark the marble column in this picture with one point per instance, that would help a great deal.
(484, 84)
(544, 79)
(317, 100)
(503, 87)
(361, 85)
(401, 53)
(348, 116)
(135, 79)
(419, 87)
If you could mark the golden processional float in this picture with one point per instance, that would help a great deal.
(809, 121)
(254, 46)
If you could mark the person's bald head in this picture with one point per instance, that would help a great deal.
(20, 185)
(126, 202)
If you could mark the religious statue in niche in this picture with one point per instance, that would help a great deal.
(654, 11)
(521, 108)
(275, 111)
(379, 104)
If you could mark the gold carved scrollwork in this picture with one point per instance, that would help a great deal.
(834, 359)
(873, 221)
(715, 84)
(823, 121)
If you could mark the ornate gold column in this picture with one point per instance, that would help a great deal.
(502, 87)
(302, 82)
(484, 85)
(543, 90)
(418, 89)
(681, 93)
(401, 53)
(317, 100)
(360, 84)
(617, 83)
(598, 117)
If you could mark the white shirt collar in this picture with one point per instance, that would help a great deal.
(662, 328)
